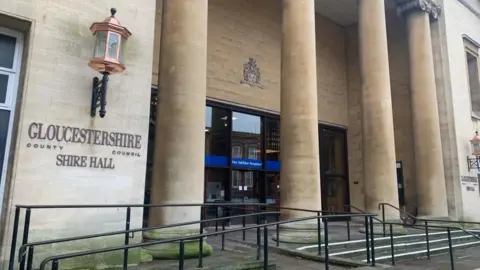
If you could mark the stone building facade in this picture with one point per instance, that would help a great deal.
(361, 102)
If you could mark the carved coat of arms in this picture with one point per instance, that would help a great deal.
(251, 74)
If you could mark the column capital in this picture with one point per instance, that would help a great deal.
(429, 6)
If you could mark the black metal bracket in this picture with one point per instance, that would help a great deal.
(473, 163)
(99, 95)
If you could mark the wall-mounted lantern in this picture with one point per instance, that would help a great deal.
(473, 163)
(108, 57)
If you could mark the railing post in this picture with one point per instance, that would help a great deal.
(54, 265)
(278, 230)
(392, 246)
(450, 249)
(258, 233)
(26, 229)
(243, 232)
(319, 235)
(258, 216)
(265, 248)
(14, 238)
(367, 239)
(348, 229)
(372, 236)
(427, 238)
(30, 258)
(383, 220)
(127, 228)
(223, 235)
(200, 253)
(258, 243)
(327, 259)
(200, 241)
(216, 218)
(182, 255)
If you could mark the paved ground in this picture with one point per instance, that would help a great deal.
(236, 254)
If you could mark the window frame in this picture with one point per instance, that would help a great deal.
(11, 98)
(471, 47)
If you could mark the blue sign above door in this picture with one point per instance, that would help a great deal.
(247, 163)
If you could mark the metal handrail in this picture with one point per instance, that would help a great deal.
(56, 258)
(23, 248)
(128, 208)
(427, 226)
(382, 206)
(361, 211)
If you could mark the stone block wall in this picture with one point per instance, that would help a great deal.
(461, 20)
(56, 87)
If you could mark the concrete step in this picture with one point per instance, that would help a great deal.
(384, 241)
(400, 245)
(409, 249)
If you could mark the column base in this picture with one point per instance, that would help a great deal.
(378, 228)
(171, 251)
(306, 233)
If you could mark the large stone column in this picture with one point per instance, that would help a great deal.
(178, 172)
(430, 175)
(300, 168)
(379, 160)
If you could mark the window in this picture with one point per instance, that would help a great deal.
(253, 152)
(236, 179)
(471, 56)
(249, 179)
(216, 131)
(11, 45)
(237, 151)
(246, 130)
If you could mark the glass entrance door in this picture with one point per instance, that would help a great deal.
(272, 192)
(334, 170)
(246, 188)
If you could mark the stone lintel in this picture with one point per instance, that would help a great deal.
(406, 6)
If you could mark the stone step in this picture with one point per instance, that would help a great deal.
(401, 245)
(409, 250)
(381, 241)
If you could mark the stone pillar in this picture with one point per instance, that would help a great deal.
(300, 168)
(178, 171)
(430, 175)
(379, 159)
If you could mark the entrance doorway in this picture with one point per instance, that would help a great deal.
(272, 192)
(333, 169)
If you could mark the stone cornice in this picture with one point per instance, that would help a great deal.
(406, 6)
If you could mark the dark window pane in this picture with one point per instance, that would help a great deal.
(273, 144)
(3, 87)
(246, 140)
(7, 50)
(216, 136)
(4, 120)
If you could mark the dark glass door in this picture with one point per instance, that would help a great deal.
(334, 170)
(246, 188)
(272, 192)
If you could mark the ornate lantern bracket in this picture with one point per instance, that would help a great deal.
(474, 163)
(108, 58)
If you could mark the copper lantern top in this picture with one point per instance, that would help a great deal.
(475, 142)
(110, 37)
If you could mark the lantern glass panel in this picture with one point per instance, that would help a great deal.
(122, 51)
(113, 45)
(476, 147)
(100, 42)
